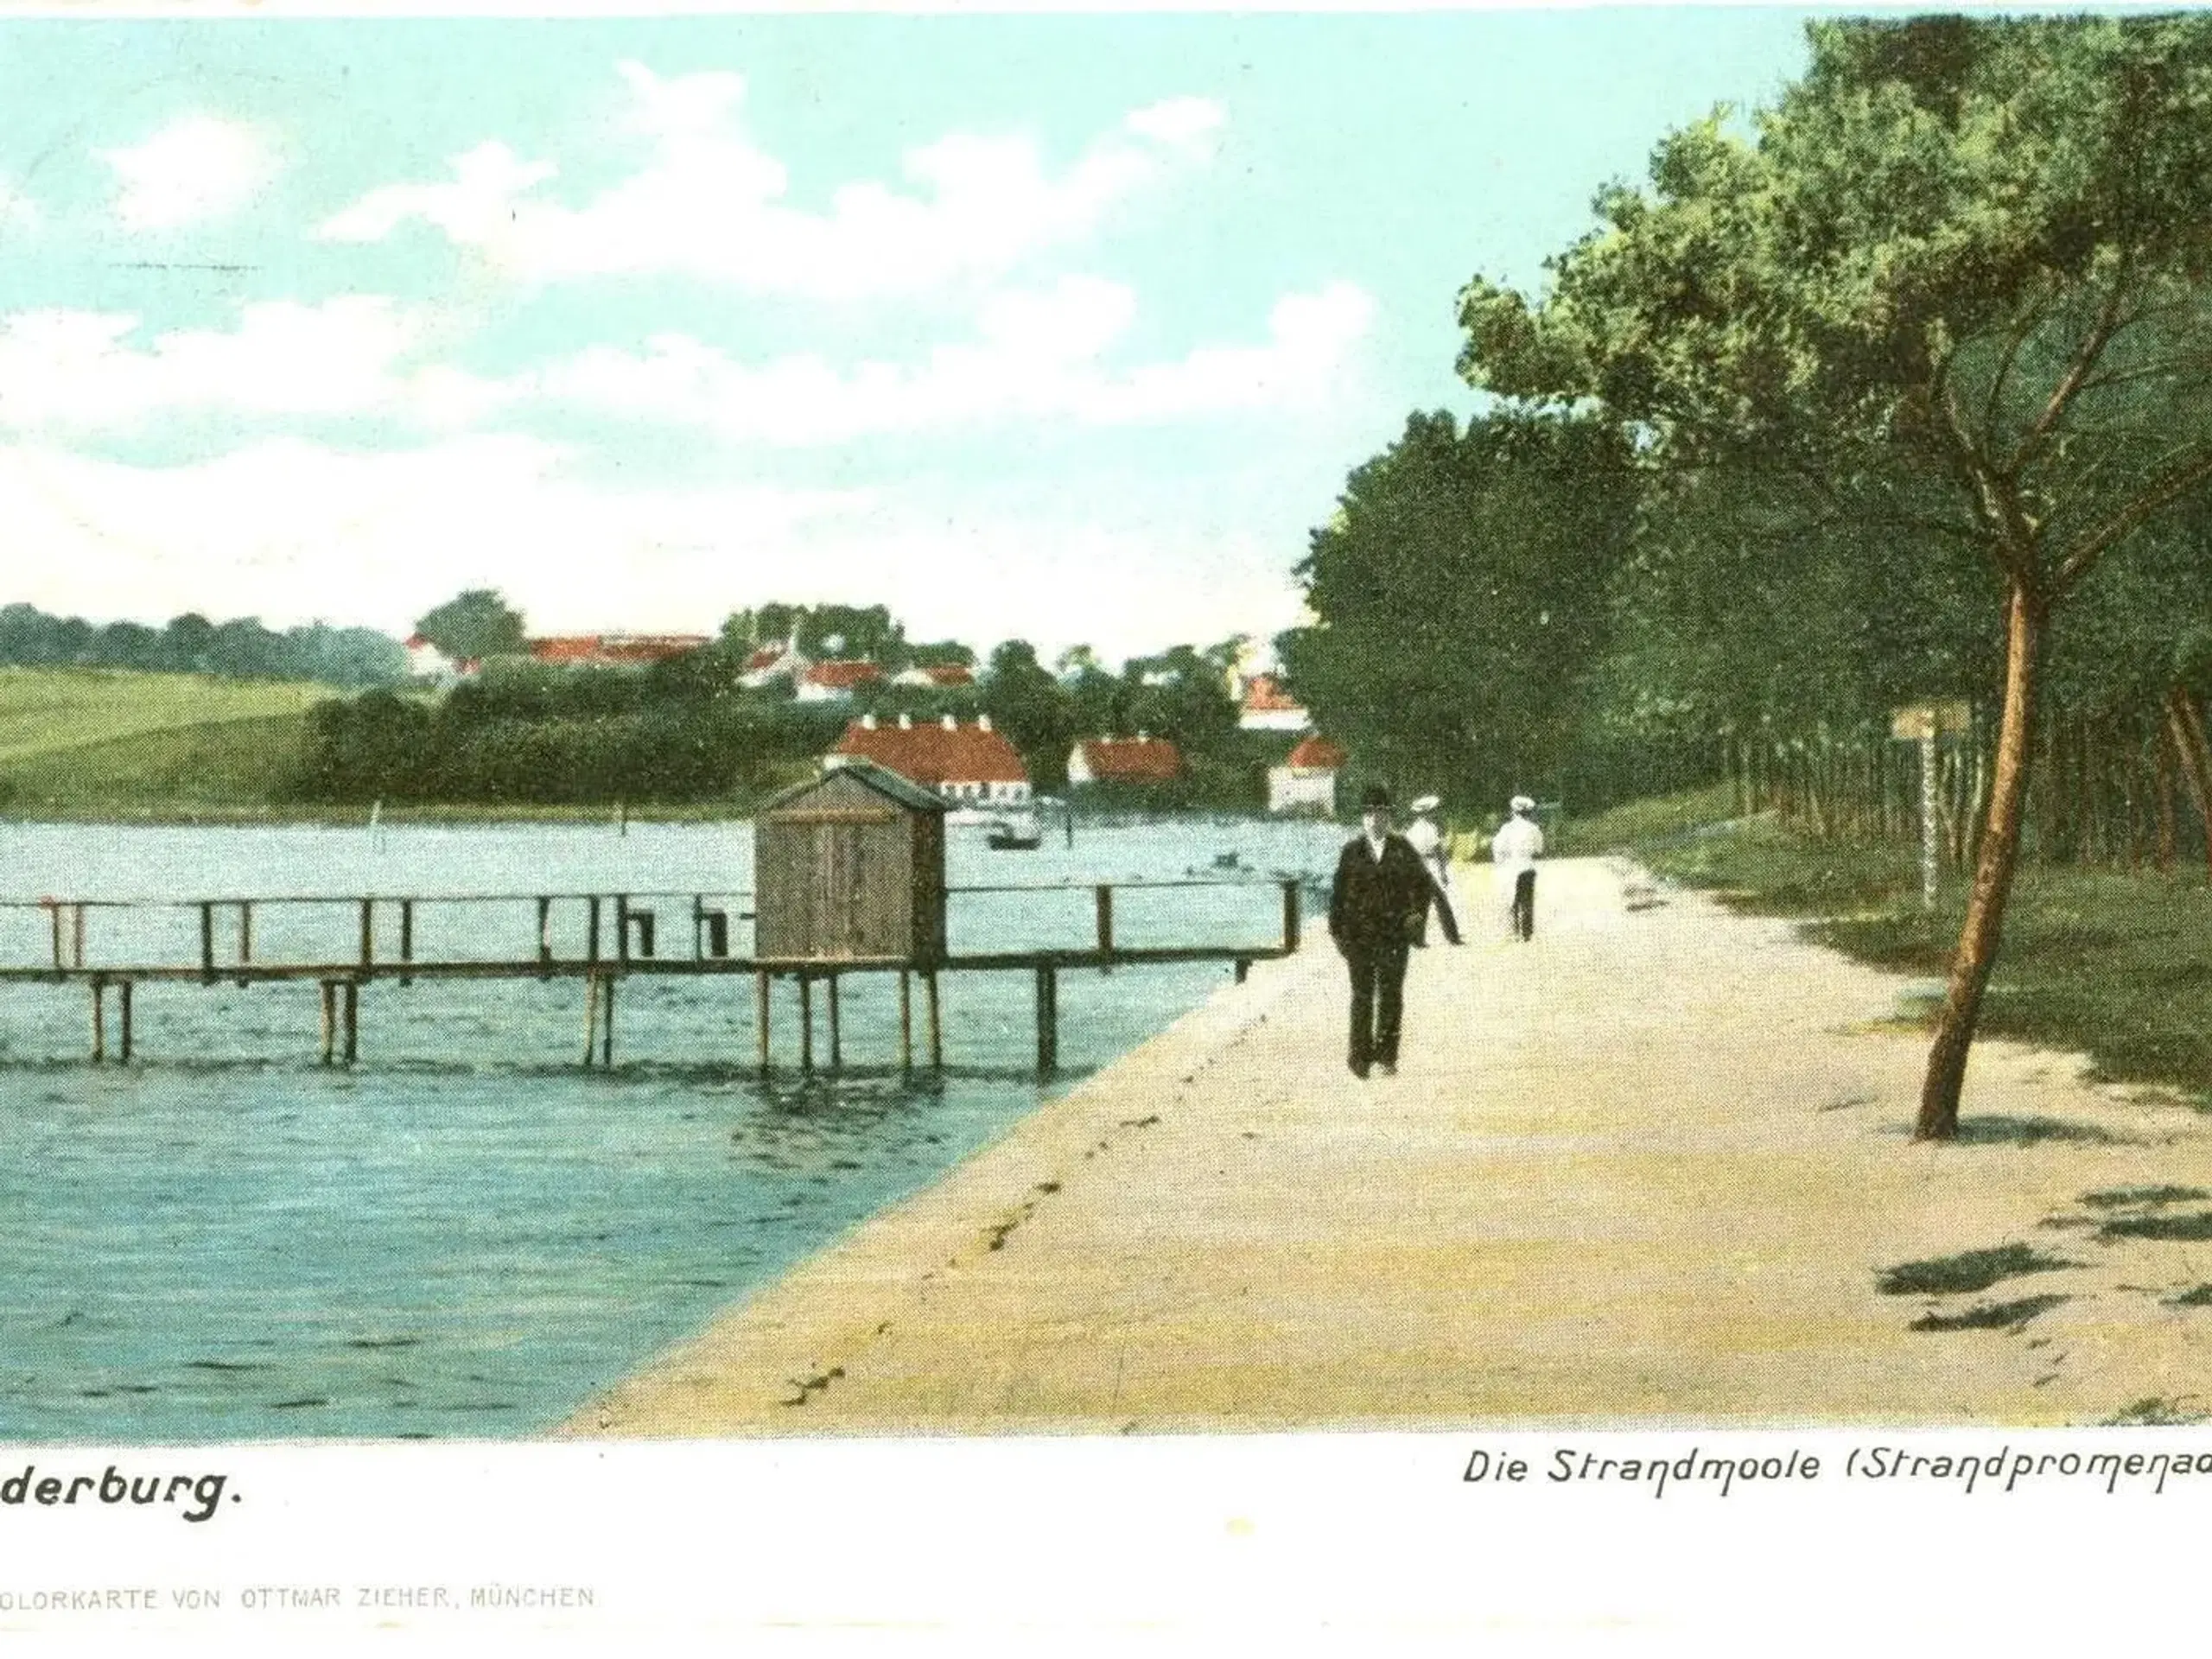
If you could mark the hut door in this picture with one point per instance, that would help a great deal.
(840, 862)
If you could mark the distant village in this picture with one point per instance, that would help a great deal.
(1214, 728)
(968, 762)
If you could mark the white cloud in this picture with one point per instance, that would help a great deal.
(199, 167)
(83, 371)
(708, 202)
(289, 530)
(1039, 356)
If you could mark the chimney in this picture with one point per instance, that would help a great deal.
(982, 723)
(952, 724)
(867, 722)
(905, 722)
(1144, 737)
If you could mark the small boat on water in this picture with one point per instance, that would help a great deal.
(1016, 832)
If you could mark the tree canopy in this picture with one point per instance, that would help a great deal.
(1953, 286)
(475, 624)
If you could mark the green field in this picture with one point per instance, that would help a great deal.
(92, 742)
(2113, 964)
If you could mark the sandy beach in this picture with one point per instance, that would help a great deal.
(1648, 1169)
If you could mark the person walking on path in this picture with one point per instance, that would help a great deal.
(1378, 906)
(1428, 843)
(1514, 851)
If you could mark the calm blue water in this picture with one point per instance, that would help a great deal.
(469, 1234)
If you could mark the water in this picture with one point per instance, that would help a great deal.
(469, 1235)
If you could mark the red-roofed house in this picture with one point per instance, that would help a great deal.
(936, 676)
(1306, 781)
(613, 650)
(970, 764)
(1269, 707)
(773, 663)
(836, 681)
(1144, 760)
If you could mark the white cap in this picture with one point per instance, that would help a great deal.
(1427, 803)
(1521, 803)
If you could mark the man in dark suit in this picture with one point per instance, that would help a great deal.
(1376, 909)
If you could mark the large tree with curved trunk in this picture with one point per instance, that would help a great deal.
(1961, 267)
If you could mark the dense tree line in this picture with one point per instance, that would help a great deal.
(239, 649)
(688, 730)
(1909, 379)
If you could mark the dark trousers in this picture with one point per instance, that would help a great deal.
(1440, 901)
(1378, 1004)
(1524, 905)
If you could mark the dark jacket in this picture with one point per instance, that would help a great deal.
(1377, 903)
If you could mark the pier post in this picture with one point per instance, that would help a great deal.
(760, 1014)
(246, 933)
(353, 992)
(54, 914)
(606, 1024)
(544, 931)
(936, 1031)
(1048, 1019)
(407, 935)
(905, 1021)
(591, 1019)
(1105, 905)
(1290, 917)
(836, 1037)
(622, 928)
(207, 944)
(123, 1015)
(99, 1020)
(591, 929)
(329, 1019)
(805, 1021)
(1244, 969)
(77, 934)
(368, 933)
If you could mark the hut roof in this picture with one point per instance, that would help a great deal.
(884, 782)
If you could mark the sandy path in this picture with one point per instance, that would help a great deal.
(1645, 1169)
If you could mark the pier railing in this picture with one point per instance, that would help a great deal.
(345, 943)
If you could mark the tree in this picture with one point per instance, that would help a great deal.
(1461, 592)
(1958, 271)
(475, 624)
(1025, 701)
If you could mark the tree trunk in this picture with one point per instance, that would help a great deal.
(1993, 877)
(2188, 742)
(2162, 754)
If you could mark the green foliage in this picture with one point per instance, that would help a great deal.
(239, 649)
(473, 624)
(1463, 592)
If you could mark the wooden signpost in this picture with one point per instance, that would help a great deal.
(1924, 723)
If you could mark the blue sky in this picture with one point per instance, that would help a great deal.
(1063, 328)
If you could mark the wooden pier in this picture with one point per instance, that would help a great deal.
(621, 938)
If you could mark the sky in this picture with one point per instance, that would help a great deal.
(1059, 327)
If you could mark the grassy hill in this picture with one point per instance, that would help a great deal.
(83, 742)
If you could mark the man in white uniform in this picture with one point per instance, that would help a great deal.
(1425, 839)
(1514, 851)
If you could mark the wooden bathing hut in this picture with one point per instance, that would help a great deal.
(849, 871)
